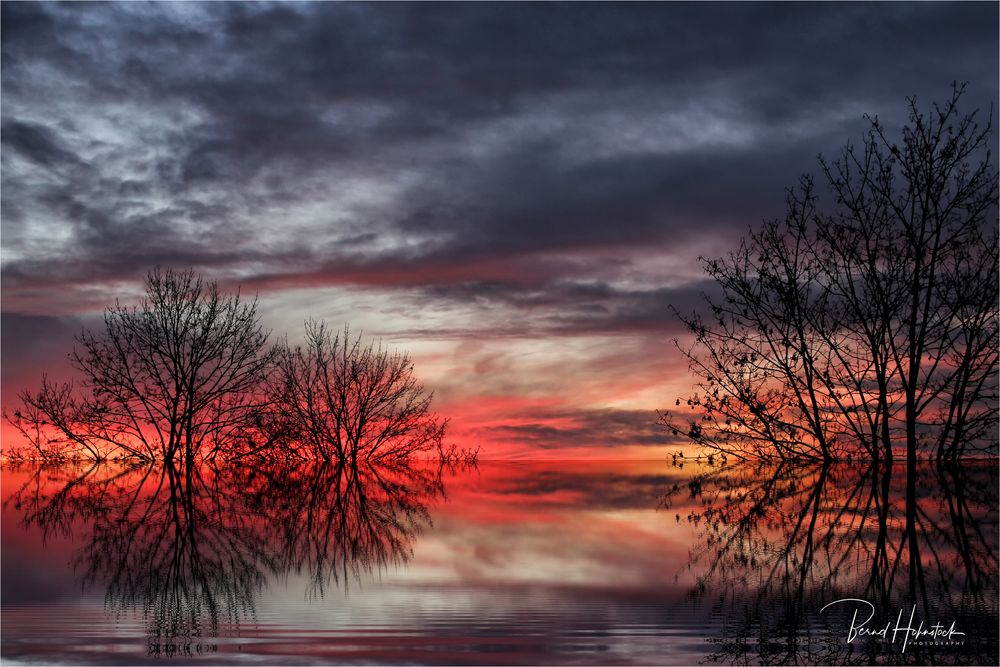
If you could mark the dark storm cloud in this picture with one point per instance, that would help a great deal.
(575, 308)
(333, 139)
(37, 143)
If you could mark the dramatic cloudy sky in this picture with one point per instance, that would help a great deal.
(514, 193)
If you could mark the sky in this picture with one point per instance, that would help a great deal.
(515, 194)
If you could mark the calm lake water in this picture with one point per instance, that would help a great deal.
(506, 563)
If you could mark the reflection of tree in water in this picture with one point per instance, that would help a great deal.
(782, 541)
(192, 545)
(337, 521)
(255, 460)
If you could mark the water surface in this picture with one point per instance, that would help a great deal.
(507, 563)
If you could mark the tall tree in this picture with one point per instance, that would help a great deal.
(341, 400)
(867, 323)
(178, 375)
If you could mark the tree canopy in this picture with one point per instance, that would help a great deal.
(865, 321)
(190, 373)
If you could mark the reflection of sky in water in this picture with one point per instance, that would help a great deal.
(525, 563)
(555, 560)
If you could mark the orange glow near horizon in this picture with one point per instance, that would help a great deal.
(587, 396)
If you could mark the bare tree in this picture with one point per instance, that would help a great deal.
(867, 325)
(343, 400)
(178, 375)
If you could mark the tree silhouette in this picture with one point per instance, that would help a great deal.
(189, 373)
(177, 375)
(343, 400)
(856, 326)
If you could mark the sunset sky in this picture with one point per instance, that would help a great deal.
(514, 193)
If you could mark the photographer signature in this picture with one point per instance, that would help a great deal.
(936, 633)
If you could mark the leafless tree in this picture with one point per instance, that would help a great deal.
(176, 376)
(866, 324)
(343, 400)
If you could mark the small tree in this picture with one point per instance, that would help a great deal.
(343, 400)
(178, 375)
(870, 323)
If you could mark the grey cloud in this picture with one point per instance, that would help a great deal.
(603, 428)
(530, 202)
(575, 308)
(230, 119)
(37, 143)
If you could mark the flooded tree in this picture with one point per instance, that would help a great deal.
(339, 399)
(866, 322)
(189, 373)
(175, 376)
